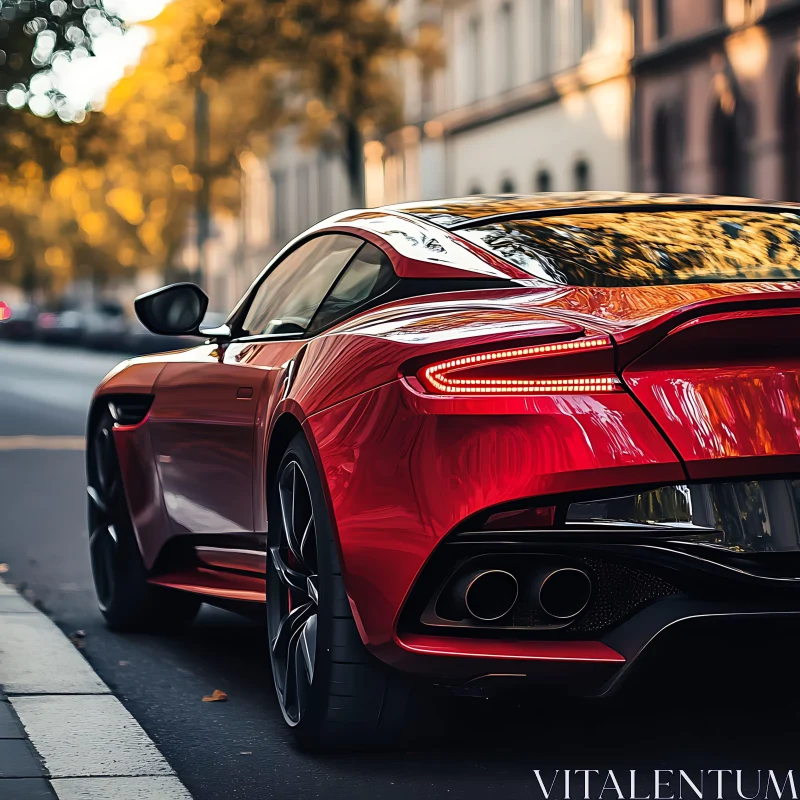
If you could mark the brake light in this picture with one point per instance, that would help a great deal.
(448, 377)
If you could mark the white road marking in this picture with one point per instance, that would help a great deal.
(42, 443)
(92, 748)
(151, 788)
(81, 736)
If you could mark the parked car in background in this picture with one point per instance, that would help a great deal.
(19, 322)
(105, 326)
(60, 327)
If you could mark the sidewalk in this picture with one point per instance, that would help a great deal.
(62, 733)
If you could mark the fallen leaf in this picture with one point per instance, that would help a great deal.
(79, 634)
(79, 643)
(3, 567)
(217, 696)
(124, 663)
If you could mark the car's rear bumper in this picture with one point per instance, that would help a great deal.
(405, 474)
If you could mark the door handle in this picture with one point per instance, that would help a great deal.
(244, 393)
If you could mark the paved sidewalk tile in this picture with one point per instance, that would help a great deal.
(26, 789)
(36, 658)
(15, 604)
(150, 788)
(9, 724)
(17, 759)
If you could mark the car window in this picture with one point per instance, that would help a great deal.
(648, 248)
(368, 275)
(287, 298)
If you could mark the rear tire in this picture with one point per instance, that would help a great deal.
(332, 692)
(126, 600)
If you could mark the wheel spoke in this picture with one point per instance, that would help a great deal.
(290, 578)
(308, 645)
(288, 627)
(290, 696)
(307, 536)
(287, 513)
(94, 496)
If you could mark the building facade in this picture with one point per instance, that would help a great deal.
(716, 104)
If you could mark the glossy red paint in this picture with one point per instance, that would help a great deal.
(402, 467)
(210, 583)
(595, 652)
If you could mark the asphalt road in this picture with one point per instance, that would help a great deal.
(240, 749)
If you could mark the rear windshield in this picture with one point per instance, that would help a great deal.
(644, 249)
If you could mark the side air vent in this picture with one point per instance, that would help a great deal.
(130, 409)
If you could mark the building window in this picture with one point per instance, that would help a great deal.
(790, 133)
(475, 55)
(663, 152)
(728, 148)
(507, 186)
(547, 36)
(505, 46)
(662, 18)
(543, 181)
(581, 175)
(280, 215)
(588, 25)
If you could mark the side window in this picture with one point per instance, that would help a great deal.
(367, 276)
(289, 296)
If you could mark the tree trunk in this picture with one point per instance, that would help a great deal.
(354, 161)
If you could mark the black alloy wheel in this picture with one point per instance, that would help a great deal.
(293, 600)
(332, 692)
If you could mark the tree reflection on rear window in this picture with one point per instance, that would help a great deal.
(644, 248)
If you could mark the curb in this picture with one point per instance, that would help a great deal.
(62, 733)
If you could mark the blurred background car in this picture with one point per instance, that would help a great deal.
(105, 326)
(18, 321)
(64, 326)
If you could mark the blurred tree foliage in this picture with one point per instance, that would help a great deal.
(108, 192)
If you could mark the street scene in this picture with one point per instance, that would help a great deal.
(192, 143)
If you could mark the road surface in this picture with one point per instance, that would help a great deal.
(240, 749)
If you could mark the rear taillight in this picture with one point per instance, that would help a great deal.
(578, 367)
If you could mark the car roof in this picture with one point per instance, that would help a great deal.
(456, 212)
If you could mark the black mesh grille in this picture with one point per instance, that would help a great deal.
(619, 591)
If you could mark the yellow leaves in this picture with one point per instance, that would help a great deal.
(181, 175)
(177, 73)
(193, 64)
(126, 255)
(127, 203)
(211, 16)
(7, 247)
(93, 224)
(176, 130)
(30, 171)
(68, 154)
(65, 184)
(54, 257)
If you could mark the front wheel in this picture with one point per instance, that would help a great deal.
(332, 692)
(127, 601)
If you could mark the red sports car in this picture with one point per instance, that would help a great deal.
(477, 442)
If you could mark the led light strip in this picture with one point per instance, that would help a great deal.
(436, 377)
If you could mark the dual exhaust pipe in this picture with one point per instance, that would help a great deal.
(488, 595)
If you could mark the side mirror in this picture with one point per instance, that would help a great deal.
(175, 310)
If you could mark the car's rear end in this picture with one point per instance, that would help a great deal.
(581, 465)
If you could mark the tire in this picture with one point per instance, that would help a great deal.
(126, 600)
(333, 693)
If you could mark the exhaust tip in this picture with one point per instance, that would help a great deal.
(565, 592)
(491, 594)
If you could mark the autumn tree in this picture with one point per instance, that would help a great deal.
(334, 57)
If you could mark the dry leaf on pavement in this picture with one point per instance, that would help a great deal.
(217, 696)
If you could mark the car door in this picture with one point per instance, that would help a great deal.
(203, 418)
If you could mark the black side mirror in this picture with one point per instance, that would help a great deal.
(175, 310)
